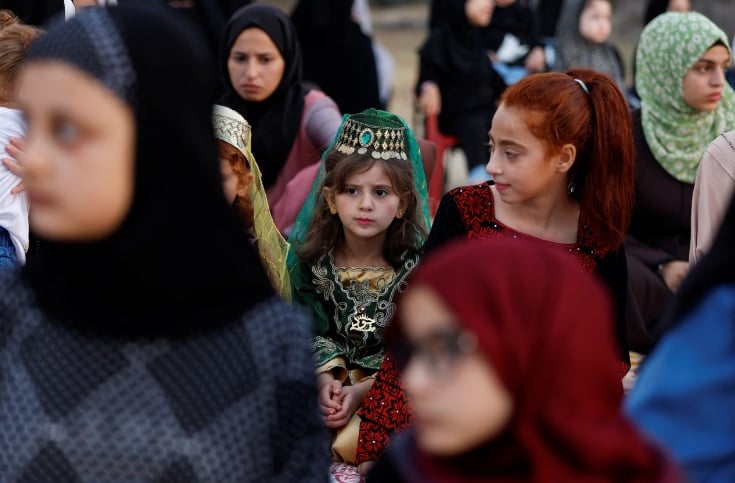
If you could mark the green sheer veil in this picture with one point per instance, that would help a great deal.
(384, 134)
(232, 128)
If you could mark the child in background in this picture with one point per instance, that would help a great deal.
(562, 161)
(15, 39)
(506, 349)
(514, 41)
(583, 39)
(243, 187)
(357, 239)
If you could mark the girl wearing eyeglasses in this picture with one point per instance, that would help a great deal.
(506, 350)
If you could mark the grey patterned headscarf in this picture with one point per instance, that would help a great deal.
(573, 50)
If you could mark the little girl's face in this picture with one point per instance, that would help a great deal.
(479, 12)
(595, 21)
(367, 206)
(79, 159)
(459, 402)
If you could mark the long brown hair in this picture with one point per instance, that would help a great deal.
(325, 230)
(241, 168)
(585, 108)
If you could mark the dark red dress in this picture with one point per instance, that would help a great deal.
(470, 211)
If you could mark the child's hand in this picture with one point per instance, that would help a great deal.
(352, 398)
(330, 395)
(15, 149)
(536, 60)
(348, 404)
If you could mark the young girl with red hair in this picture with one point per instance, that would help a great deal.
(561, 162)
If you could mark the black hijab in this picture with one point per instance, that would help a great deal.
(455, 45)
(338, 56)
(276, 120)
(716, 268)
(654, 9)
(178, 262)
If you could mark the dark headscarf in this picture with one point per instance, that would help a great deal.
(276, 120)
(717, 267)
(546, 328)
(574, 50)
(654, 9)
(338, 56)
(177, 262)
(455, 44)
(455, 53)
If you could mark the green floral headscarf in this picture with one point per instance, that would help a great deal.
(677, 134)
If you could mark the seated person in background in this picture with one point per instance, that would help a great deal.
(261, 66)
(514, 41)
(457, 81)
(338, 56)
(685, 104)
(583, 39)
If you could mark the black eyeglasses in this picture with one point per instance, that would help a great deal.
(438, 351)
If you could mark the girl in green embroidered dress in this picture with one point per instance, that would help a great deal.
(357, 239)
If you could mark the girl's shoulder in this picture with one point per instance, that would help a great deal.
(474, 202)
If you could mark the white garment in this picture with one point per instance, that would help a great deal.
(13, 208)
(69, 9)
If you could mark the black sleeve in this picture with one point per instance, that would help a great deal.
(447, 224)
(650, 256)
(614, 272)
(428, 71)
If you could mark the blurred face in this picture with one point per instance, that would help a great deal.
(79, 161)
(84, 3)
(679, 6)
(703, 83)
(367, 206)
(232, 184)
(458, 400)
(479, 12)
(255, 65)
(519, 163)
(595, 21)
